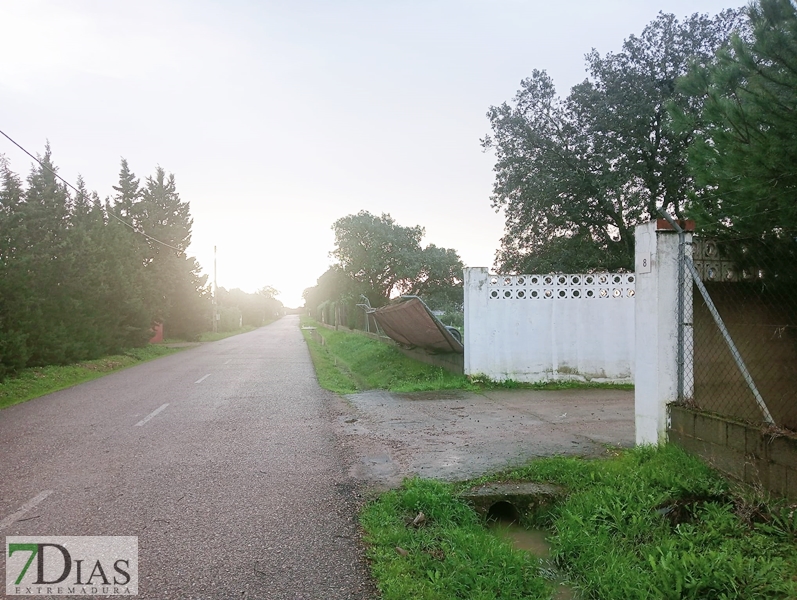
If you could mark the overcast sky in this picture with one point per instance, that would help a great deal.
(279, 117)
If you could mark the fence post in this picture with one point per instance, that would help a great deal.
(656, 328)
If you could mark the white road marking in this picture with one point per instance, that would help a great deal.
(227, 362)
(201, 379)
(152, 414)
(24, 508)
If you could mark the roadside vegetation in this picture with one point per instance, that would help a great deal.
(348, 362)
(451, 555)
(81, 278)
(643, 523)
(37, 381)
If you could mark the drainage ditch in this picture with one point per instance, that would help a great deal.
(506, 506)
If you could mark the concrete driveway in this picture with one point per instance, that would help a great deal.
(460, 435)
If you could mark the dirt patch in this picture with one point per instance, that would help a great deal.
(456, 435)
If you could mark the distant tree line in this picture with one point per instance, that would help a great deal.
(378, 259)
(242, 309)
(696, 117)
(81, 278)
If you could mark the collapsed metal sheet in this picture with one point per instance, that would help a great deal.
(411, 323)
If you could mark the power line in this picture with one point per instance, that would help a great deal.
(149, 237)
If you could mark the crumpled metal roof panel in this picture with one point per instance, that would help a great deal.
(411, 323)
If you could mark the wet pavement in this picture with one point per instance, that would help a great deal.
(222, 459)
(242, 479)
(457, 435)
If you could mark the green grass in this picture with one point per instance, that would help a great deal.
(450, 556)
(482, 382)
(645, 524)
(38, 381)
(348, 362)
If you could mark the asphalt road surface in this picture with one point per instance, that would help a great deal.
(222, 459)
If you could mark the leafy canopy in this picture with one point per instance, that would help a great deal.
(379, 258)
(377, 253)
(575, 174)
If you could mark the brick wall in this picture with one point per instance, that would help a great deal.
(744, 452)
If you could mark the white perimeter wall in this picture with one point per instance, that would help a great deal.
(550, 327)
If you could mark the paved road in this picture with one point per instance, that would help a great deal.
(222, 459)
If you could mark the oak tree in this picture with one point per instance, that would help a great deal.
(575, 174)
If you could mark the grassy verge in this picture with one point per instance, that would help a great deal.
(38, 381)
(450, 556)
(210, 336)
(647, 523)
(347, 362)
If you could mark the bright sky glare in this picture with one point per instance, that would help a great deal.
(278, 117)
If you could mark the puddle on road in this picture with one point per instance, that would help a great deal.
(535, 542)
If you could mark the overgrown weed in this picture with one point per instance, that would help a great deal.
(348, 362)
(647, 523)
(451, 555)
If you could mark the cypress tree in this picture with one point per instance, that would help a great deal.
(14, 278)
(44, 218)
(77, 277)
(180, 298)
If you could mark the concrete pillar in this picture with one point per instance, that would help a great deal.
(476, 282)
(656, 328)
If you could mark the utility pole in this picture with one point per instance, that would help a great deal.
(215, 295)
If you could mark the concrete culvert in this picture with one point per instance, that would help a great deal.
(503, 512)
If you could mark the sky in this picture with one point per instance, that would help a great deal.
(279, 117)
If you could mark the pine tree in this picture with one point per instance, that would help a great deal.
(128, 192)
(107, 313)
(178, 294)
(78, 281)
(134, 320)
(744, 154)
(45, 218)
(14, 277)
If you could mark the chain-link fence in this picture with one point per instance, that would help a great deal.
(739, 334)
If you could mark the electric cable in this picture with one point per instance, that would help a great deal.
(149, 237)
